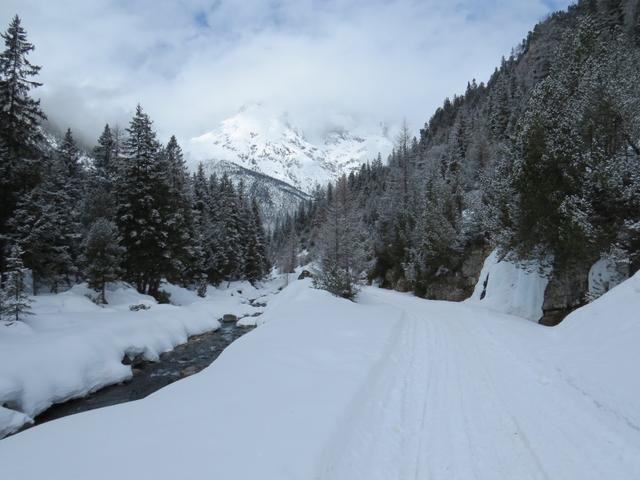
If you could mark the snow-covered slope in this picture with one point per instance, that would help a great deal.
(268, 143)
(391, 387)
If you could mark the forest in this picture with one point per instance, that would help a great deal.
(129, 210)
(541, 163)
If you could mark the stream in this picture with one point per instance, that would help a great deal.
(184, 360)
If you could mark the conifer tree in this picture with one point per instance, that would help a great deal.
(99, 200)
(15, 300)
(255, 265)
(179, 221)
(45, 225)
(341, 257)
(142, 207)
(20, 116)
(101, 256)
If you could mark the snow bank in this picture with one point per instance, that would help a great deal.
(510, 288)
(71, 347)
(264, 409)
(600, 351)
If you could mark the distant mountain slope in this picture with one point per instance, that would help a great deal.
(274, 196)
(268, 143)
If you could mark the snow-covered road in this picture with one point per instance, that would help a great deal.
(392, 388)
(472, 394)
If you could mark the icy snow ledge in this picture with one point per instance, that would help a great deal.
(510, 288)
(72, 347)
(11, 421)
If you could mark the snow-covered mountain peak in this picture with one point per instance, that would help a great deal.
(260, 140)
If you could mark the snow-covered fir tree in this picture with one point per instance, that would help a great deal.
(142, 207)
(101, 256)
(20, 116)
(14, 299)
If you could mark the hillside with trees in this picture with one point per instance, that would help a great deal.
(541, 163)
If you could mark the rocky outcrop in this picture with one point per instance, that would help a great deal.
(458, 284)
(565, 292)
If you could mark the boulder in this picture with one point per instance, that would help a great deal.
(305, 274)
(229, 318)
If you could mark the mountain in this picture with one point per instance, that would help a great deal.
(260, 141)
(274, 196)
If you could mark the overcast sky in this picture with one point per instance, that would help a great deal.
(192, 63)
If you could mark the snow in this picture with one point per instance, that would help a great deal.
(267, 142)
(391, 387)
(264, 409)
(71, 346)
(511, 288)
(600, 352)
(603, 276)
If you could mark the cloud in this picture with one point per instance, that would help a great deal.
(192, 63)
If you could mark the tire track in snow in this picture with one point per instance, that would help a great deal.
(453, 402)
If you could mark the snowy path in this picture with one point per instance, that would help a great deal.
(461, 397)
(392, 388)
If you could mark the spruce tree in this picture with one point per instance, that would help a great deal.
(100, 198)
(20, 116)
(142, 207)
(45, 224)
(255, 265)
(15, 300)
(179, 221)
(101, 256)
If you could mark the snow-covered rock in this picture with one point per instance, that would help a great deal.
(260, 141)
(603, 276)
(510, 288)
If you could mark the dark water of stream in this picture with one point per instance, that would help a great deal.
(182, 361)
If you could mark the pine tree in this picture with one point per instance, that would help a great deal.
(99, 200)
(104, 153)
(71, 171)
(101, 256)
(179, 221)
(255, 265)
(226, 236)
(15, 301)
(19, 121)
(287, 257)
(46, 226)
(142, 207)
